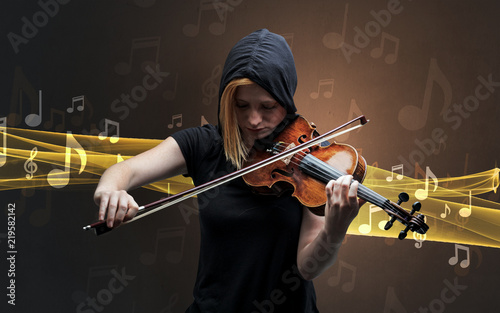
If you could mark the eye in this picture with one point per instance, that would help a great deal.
(241, 105)
(270, 106)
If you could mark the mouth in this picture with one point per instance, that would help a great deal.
(255, 130)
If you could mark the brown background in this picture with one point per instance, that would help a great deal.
(444, 48)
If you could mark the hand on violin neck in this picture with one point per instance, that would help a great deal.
(342, 206)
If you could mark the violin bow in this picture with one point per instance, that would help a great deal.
(100, 227)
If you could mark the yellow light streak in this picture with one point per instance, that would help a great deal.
(452, 206)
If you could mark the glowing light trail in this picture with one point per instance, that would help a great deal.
(452, 206)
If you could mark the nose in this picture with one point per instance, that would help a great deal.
(254, 118)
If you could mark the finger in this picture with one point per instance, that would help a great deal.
(361, 202)
(103, 205)
(133, 207)
(337, 190)
(112, 207)
(353, 194)
(329, 188)
(122, 207)
(344, 184)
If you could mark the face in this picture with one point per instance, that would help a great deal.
(257, 112)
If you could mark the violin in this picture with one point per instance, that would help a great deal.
(298, 159)
(306, 173)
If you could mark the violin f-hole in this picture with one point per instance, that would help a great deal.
(282, 172)
(302, 138)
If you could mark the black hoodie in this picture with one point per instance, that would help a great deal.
(248, 247)
(266, 59)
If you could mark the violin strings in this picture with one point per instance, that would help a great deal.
(326, 172)
(324, 175)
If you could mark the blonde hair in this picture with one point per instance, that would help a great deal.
(234, 147)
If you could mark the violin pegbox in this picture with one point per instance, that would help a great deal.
(413, 223)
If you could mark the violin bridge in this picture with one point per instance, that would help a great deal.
(288, 158)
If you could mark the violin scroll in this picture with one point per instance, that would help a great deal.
(403, 197)
(413, 223)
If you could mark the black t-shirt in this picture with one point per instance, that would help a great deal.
(248, 248)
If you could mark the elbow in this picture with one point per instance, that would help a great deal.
(308, 271)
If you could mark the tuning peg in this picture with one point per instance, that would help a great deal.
(417, 224)
(403, 197)
(388, 225)
(403, 233)
(415, 207)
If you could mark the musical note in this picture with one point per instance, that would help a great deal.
(119, 158)
(75, 100)
(221, 8)
(446, 209)
(29, 166)
(419, 238)
(335, 280)
(334, 40)
(50, 123)
(124, 68)
(460, 221)
(438, 150)
(178, 118)
(421, 194)
(204, 121)
(398, 167)
(419, 171)
(172, 301)
(58, 178)
(454, 259)
(289, 37)
(466, 212)
(169, 95)
(367, 228)
(494, 195)
(390, 58)
(104, 134)
(328, 83)
(3, 130)
(21, 85)
(354, 111)
(177, 234)
(392, 302)
(35, 119)
(216, 28)
(412, 117)
(210, 89)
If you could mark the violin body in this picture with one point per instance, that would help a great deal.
(305, 174)
(285, 175)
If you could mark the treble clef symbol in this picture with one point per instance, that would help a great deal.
(29, 166)
(210, 89)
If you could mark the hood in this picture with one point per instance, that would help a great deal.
(266, 59)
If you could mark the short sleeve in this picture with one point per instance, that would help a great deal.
(200, 146)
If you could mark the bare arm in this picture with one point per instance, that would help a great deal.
(321, 237)
(111, 195)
